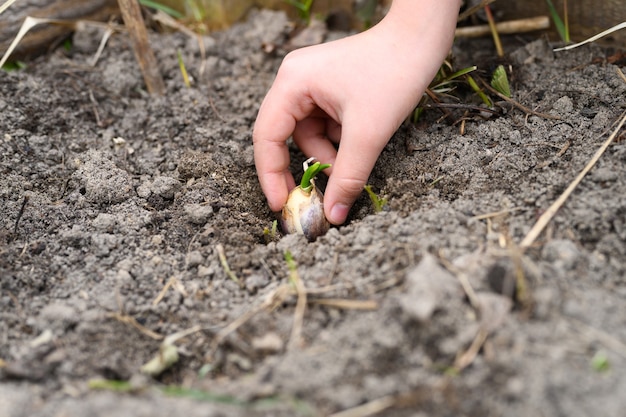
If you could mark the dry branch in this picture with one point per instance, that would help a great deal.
(505, 28)
(131, 13)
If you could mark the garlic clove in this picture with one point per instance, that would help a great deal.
(304, 213)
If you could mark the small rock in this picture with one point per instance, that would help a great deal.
(429, 286)
(165, 187)
(194, 258)
(268, 343)
(562, 252)
(103, 182)
(104, 222)
(198, 213)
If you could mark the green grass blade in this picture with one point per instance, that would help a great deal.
(474, 86)
(500, 81)
(165, 9)
(558, 22)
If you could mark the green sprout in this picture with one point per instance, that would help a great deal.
(165, 9)
(474, 86)
(600, 362)
(500, 82)
(183, 69)
(562, 25)
(444, 82)
(378, 202)
(269, 234)
(304, 8)
(310, 173)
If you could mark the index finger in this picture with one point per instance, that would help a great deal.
(280, 111)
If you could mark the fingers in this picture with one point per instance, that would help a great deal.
(311, 138)
(358, 152)
(285, 104)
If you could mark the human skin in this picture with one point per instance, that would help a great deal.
(342, 101)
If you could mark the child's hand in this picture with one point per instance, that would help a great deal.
(355, 93)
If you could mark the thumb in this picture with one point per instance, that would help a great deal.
(355, 160)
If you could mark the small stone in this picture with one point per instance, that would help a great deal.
(194, 258)
(562, 252)
(198, 213)
(429, 286)
(268, 343)
(166, 187)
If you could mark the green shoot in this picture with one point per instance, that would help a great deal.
(183, 69)
(500, 82)
(224, 262)
(304, 8)
(165, 9)
(600, 362)
(561, 26)
(310, 173)
(269, 234)
(110, 385)
(13, 66)
(378, 202)
(474, 86)
(494, 31)
(443, 82)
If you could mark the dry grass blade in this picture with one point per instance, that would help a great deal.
(593, 38)
(224, 262)
(551, 211)
(172, 282)
(29, 23)
(368, 409)
(495, 214)
(467, 357)
(6, 5)
(123, 318)
(131, 13)
(347, 304)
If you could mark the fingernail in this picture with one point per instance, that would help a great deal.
(338, 213)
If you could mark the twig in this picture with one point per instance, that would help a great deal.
(505, 28)
(368, 409)
(467, 357)
(19, 215)
(131, 13)
(346, 304)
(495, 214)
(123, 318)
(463, 280)
(224, 262)
(172, 282)
(516, 104)
(545, 218)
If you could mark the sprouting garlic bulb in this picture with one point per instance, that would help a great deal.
(304, 213)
